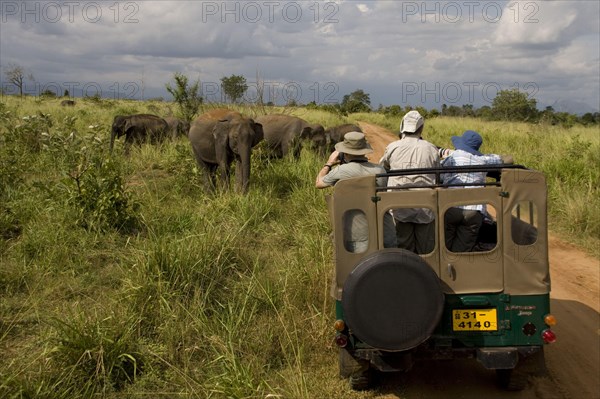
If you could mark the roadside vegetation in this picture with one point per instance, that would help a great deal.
(120, 277)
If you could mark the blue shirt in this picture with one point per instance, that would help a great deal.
(464, 158)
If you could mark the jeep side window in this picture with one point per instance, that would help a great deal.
(415, 229)
(467, 229)
(524, 223)
(356, 231)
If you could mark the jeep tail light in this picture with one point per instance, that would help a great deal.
(339, 325)
(548, 336)
(341, 340)
(550, 320)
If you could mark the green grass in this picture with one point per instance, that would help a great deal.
(206, 296)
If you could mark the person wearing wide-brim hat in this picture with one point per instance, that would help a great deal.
(347, 161)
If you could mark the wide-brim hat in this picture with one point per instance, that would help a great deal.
(354, 143)
(470, 141)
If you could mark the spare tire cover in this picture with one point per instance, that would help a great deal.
(392, 300)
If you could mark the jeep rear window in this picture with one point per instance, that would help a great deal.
(470, 228)
(356, 231)
(415, 229)
(524, 223)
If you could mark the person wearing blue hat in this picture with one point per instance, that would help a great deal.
(462, 223)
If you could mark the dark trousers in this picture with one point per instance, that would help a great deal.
(416, 237)
(462, 228)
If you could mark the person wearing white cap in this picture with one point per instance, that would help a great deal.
(415, 227)
(354, 163)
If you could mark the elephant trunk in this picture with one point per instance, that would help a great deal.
(243, 170)
(112, 139)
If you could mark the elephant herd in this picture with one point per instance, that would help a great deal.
(221, 136)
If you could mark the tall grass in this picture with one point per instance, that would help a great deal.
(210, 296)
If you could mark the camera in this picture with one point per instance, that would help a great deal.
(341, 157)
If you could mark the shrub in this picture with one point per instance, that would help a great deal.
(97, 192)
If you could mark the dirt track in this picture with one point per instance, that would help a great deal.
(573, 361)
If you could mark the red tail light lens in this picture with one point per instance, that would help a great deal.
(548, 336)
(341, 340)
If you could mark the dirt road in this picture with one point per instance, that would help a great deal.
(573, 362)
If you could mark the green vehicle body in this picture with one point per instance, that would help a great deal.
(494, 300)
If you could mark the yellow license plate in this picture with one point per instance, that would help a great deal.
(474, 320)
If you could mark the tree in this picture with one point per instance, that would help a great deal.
(15, 74)
(392, 110)
(514, 105)
(357, 101)
(48, 94)
(590, 119)
(484, 112)
(467, 110)
(234, 87)
(187, 98)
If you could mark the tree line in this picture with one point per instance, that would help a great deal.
(508, 105)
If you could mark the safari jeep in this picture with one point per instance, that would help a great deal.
(394, 307)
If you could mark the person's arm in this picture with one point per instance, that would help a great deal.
(384, 161)
(488, 159)
(331, 162)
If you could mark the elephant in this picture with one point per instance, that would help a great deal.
(285, 133)
(220, 136)
(177, 127)
(138, 128)
(336, 134)
(67, 103)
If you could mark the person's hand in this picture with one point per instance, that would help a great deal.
(507, 159)
(334, 158)
(445, 152)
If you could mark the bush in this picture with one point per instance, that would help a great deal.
(97, 192)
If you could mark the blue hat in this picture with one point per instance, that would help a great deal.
(470, 141)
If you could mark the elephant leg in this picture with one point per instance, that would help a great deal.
(208, 172)
(224, 174)
(129, 140)
(284, 149)
(208, 176)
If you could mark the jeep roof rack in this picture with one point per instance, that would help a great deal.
(494, 169)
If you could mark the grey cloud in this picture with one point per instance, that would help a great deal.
(378, 50)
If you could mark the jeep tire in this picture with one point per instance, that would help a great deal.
(392, 300)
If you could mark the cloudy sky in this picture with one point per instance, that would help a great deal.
(399, 52)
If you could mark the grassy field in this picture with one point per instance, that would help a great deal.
(120, 277)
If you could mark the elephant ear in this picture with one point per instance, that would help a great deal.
(127, 125)
(221, 136)
(258, 133)
(306, 133)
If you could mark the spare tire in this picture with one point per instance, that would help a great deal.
(392, 300)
